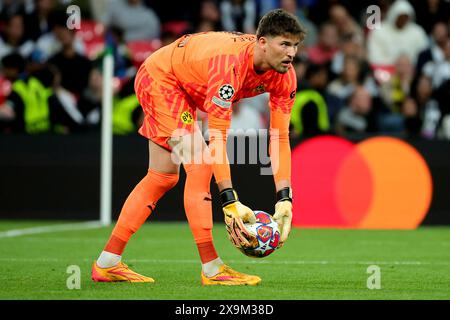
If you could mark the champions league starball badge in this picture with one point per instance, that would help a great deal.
(226, 92)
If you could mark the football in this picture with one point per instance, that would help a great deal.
(266, 231)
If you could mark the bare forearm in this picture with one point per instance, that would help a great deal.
(225, 184)
(282, 184)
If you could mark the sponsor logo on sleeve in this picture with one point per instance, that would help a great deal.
(220, 102)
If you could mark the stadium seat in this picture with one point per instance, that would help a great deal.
(141, 49)
(92, 33)
(177, 28)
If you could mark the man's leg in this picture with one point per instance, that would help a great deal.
(194, 153)
(162, 176)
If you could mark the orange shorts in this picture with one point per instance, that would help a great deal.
(168, 111)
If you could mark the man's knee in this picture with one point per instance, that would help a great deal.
(162, 181)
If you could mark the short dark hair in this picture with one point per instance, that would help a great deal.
(14, 61)
(279, 23)
(57, 18)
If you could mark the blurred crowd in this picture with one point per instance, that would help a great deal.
(382, 70)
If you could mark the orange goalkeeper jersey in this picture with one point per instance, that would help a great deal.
(215, 69)
(212, 71)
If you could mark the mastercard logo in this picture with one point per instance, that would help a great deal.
(379, 183)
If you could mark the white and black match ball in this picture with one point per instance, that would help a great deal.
(226, 92)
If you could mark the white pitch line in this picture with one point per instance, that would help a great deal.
(274, 262)
(51, 229)
(299, 262)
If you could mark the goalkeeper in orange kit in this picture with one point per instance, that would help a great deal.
(209, 71)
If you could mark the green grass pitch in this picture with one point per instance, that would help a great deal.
(314, 264)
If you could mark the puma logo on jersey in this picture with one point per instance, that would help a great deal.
(260, 89)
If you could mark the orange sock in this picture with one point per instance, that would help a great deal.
(207, 251)
(198, 207)
(138, 206)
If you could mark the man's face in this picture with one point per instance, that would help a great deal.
(402, 21)
(440, 33)
(328, 37)
(15, 28)
(64, 35)
(279, 51)
(45, 5)
(338, 15)
(361, 102)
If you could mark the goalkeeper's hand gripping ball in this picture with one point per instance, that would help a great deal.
(283, 213)
(235, 215)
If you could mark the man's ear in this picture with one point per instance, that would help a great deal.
(262, 42)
